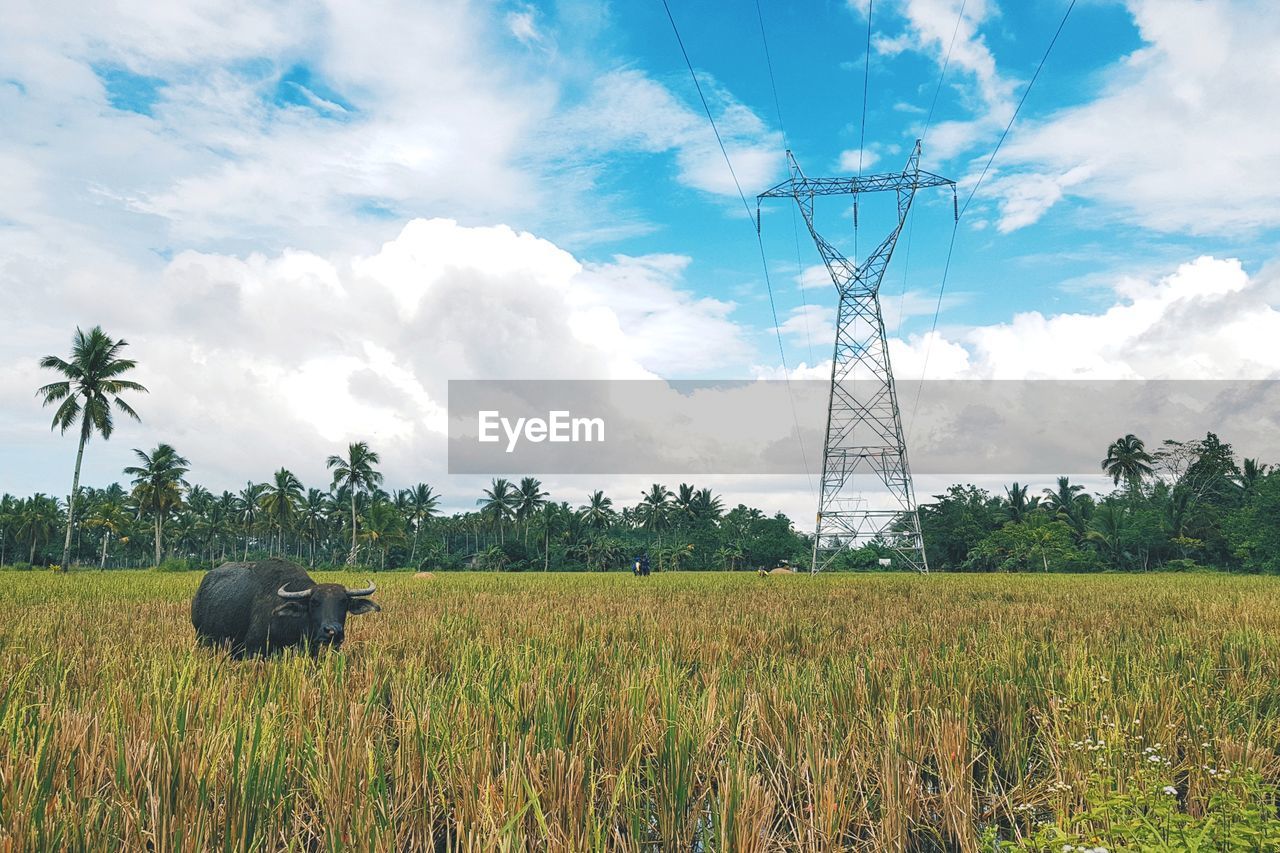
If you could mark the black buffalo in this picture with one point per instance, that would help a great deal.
(262, 607)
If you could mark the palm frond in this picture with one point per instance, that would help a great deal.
(126, 408)
(66, 414)
(54, 391)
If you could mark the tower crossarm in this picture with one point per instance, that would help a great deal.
(850, 277)
(797, 186)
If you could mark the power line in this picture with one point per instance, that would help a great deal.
(777, 104)
(772, 82)
(928, 123)
(866, 79)
(1021, 101)
(707, 109)
(945, 62)
(937, 90)
(960, 213)
(764, 262)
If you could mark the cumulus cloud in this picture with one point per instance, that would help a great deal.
(268, 126)
(1206, 320)
(264, 360)
(1181, 138)
(226, 156)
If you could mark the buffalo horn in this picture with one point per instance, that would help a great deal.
(369, 590)
(302, 593)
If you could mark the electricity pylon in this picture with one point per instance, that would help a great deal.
(864, 424)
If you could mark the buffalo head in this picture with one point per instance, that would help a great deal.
(322, 610)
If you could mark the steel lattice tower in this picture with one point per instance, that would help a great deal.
(864, 425)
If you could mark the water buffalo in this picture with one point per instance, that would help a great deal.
(262, 607)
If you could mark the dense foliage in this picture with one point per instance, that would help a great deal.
(1188, 505)
(165, 521)
(1184, 507)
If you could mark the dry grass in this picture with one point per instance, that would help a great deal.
(581, 712)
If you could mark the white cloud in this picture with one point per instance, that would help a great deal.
(1207, 320)
(815, 275)
(415, 111)
(938, 29)
(1181, 138)
(523, 25)
(627, 110)
(1024, 198)
(438, 122)
(261, 361)
(809, 323)
(853, 161)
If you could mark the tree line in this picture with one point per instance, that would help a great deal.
(165, 520)
(1185, 505)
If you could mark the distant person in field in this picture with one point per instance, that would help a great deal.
(635, 567)
(644, 565)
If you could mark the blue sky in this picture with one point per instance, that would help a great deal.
(320, 212)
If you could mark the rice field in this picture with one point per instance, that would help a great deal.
(681, 712)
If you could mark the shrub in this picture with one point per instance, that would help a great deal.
(1184, 565)
(1240, 815)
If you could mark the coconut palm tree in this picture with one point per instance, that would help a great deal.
(249, 510)
(729, 554)
(654, 511)
(314, 513)
(357, 473)
(498, 504)
(216, 524)
(8, 519)
(383, 527)
(598, 511)
(157, 485)
(1251, 471)
(1128, 460)
(1018, 505)
(550, 517)
(1068, 503)
(423, 504)
(92, 384)
(529, 499)
(37, 522)
(706, 506)
(280, 503)
(1108, 529)
(682, 509)
(108, 513)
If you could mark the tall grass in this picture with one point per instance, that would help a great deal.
(598, 712)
